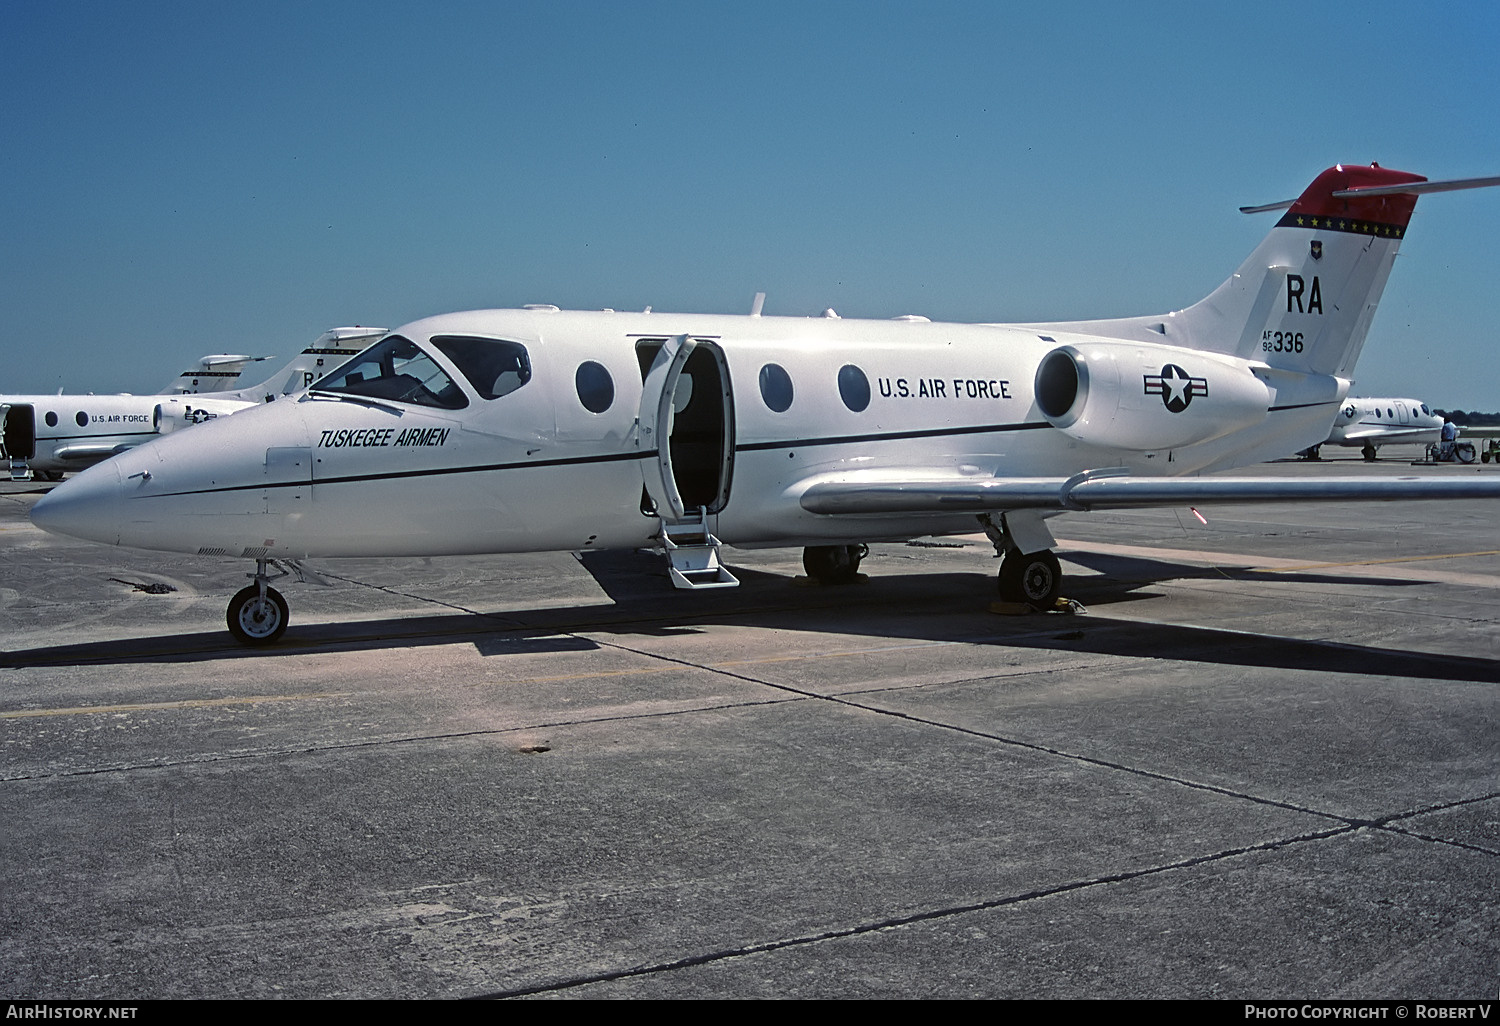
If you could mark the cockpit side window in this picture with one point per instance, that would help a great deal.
(395, 369)
(493, 367)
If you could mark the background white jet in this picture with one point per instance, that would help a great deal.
(46, 435)
(1367, 424)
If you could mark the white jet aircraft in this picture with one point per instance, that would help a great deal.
(65, 448)
(541, 429)
(47, 435)
(1367, 424)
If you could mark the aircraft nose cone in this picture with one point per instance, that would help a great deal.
(88, 506)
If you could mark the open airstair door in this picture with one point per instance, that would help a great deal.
(687, 427)
(18, 443)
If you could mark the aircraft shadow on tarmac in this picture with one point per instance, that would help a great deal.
(931, 607)
(1123, 572)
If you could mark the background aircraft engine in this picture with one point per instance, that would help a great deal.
(1147, 397)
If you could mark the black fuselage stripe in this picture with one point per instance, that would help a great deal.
(792, 443)
(889, 436)
(1302, 406)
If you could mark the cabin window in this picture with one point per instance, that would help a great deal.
(493, 367)
(596, 389)
(854, 387)
(776, 387)
(395, 370)
(82, 419)
(51, 419)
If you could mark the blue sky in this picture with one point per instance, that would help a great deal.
(185, 178)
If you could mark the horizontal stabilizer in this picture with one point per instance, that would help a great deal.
(1403, 189)
(1420, 188)
(853, 494)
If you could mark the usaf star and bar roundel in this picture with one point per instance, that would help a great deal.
(1175, 386)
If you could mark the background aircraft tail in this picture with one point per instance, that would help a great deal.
(326, 352)
(216, 373)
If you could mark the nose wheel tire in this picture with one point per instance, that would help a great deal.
(254, 620)
(1034, 578)
(833, 564)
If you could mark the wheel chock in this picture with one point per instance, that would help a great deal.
(1062, 605)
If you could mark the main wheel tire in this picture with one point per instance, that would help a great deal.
(1368, 452)
(254, 621)
(1034, 578)
(833, 564)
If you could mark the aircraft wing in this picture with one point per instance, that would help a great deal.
(880, 492)
(1395, 434)
(86, 453)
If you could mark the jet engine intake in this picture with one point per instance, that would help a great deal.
(1145, 397)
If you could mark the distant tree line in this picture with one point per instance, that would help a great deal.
(1468, 419)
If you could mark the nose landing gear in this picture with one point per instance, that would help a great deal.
(258, 614)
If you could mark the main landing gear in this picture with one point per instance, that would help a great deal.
(1034, 578)
(833, 564)
(258, 614)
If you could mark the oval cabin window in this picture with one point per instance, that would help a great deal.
(854, 387)
(776, 387)
(596, 389)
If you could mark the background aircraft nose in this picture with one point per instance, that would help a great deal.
(88, 506)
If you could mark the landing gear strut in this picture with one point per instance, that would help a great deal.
(833, 564)
(1034, 578)
(258, 614)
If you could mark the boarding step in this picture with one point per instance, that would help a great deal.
(693, 557)
(19, 470)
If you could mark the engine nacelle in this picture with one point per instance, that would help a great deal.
(1145, 397)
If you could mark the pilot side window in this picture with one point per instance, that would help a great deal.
(395, 369)
(493, 367)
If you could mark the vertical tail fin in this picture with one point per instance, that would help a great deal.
(329, 350)
(212, 374)
(1304, 299)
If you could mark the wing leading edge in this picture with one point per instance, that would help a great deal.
(879, 493)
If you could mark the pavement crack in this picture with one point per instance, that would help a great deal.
(1346, 822)
(272, 753)
(421, 598)
(924, 916)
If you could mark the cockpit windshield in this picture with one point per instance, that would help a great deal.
(395, 370)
